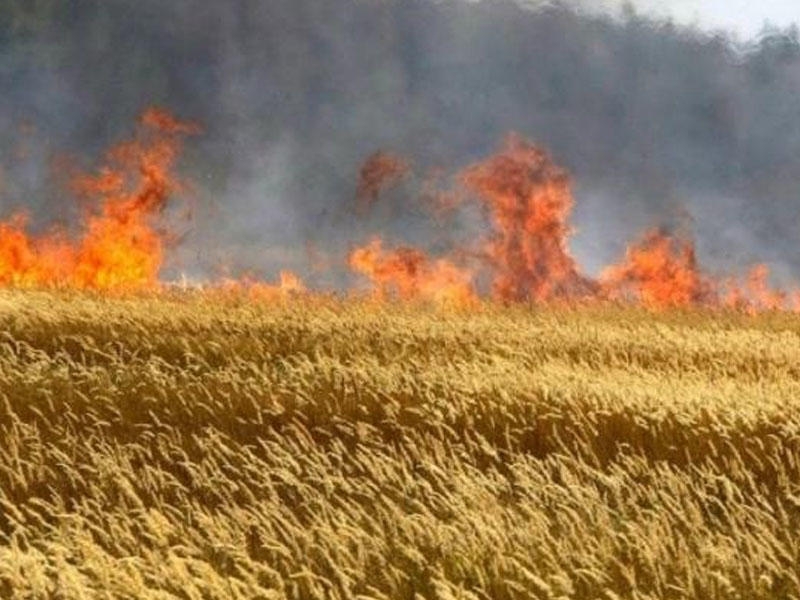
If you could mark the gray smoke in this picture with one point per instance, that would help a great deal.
(655, 121)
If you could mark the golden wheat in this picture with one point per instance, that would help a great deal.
(196, 446)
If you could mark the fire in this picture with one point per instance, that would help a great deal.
(289, 285)
(755, 294)
(28, 263)
(661, 271)
(529, 200)
(120, 247)
(762, 296)
(409, 274)
(523, 251)
(658, 271)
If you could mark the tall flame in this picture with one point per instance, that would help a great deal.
(120, 247)
(529, 200)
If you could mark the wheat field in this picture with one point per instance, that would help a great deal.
(197, 446)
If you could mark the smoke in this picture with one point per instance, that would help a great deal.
(656, 123)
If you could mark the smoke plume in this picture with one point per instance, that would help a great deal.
(655, 123)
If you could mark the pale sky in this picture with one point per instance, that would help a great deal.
(745, 17)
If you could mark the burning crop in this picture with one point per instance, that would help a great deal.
(522, 249)
(119, 245)
(410, 274)
(658, 271)
(529, 202)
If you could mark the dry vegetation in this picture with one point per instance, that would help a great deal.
(187, 447)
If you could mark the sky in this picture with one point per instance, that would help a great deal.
(744, 17)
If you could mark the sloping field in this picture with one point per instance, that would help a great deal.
(200, 447)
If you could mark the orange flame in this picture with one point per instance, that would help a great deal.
(529, 199)
(119, 248)
(26, 262)
(409, 274)
(289, 285)
(526, 196)
(761, 294)
(658, 271)
(755, 294)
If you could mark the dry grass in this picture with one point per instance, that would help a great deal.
(188, 447)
